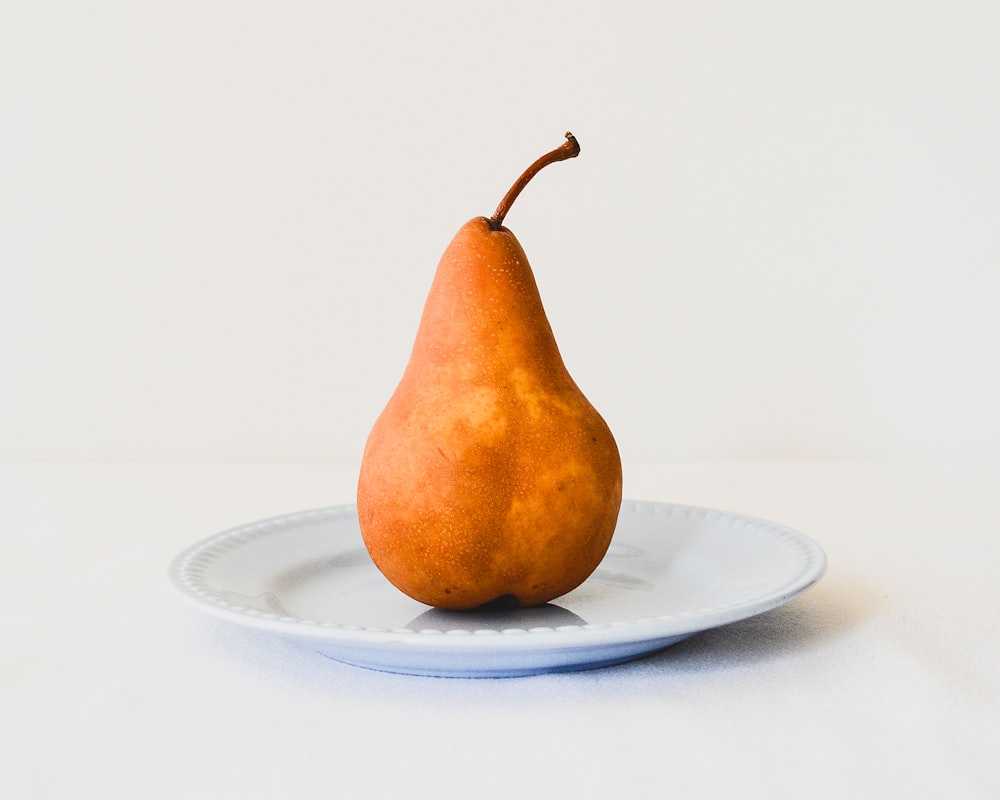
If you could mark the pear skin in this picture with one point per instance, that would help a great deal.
(488, 476)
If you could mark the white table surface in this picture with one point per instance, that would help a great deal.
(882, 681)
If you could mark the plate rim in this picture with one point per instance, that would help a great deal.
(195, 559)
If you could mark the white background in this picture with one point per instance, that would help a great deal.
(218, 221)
(774, 268)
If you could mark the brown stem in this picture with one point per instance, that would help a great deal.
(568, 149)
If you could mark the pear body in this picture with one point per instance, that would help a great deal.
(488, 476)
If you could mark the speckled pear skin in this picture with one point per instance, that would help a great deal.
(489, 475)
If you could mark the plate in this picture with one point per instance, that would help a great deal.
(671, 572)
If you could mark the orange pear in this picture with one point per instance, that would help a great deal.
(489, 476)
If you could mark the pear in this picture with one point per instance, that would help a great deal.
(489, 476)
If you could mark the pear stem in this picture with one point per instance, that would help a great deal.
(568, 149)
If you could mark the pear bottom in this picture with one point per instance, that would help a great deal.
(460, 530)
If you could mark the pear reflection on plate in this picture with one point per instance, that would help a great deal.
(496, 617)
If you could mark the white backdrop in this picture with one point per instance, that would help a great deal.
(218, 221)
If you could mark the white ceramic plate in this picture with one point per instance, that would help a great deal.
(671, 572)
